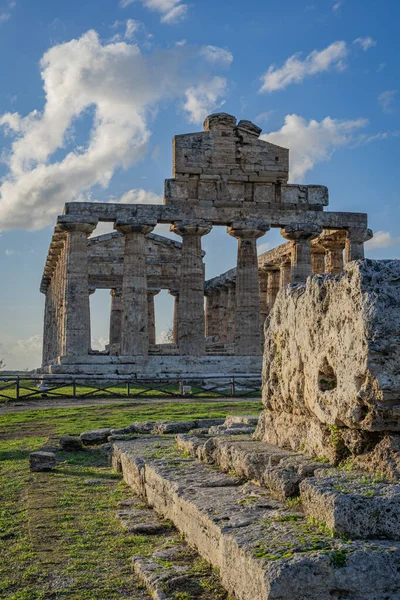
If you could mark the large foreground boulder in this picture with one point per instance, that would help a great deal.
(332, 348)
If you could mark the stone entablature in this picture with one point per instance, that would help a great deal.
(214, 171)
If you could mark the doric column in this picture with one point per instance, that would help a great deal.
(115, 321)
(333, 242)
(134, 326)
(175, 327)
(263, 285)
(317, 261)
(355, 240)
(231, 312)
(76, 327)
(151, 315)
(301, 235)
(191, 333)
(285, 269)
(247, 335)
(49, 324)
(222, 314)
(209, 313)
(273, 280)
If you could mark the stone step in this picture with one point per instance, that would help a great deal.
(275, 468)
(171, 569)
(353, 504)
(263, 550)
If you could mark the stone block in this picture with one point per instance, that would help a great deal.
(262, 550)
(70, 443)
(332, 348)
(95, 437)
(353, 505)
(173, 427)
(264, 192)
(42, 461)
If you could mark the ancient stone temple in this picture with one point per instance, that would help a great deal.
(224, 176)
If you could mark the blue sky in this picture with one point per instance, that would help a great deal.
(92, 93)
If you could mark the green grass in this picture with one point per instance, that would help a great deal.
(59, 536)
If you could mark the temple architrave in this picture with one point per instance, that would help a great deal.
(225, 175)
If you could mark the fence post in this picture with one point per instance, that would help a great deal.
(233, 387)
(128, 388)
(73, 388)
(17, 388)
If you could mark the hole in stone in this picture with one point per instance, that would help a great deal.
(327, 380)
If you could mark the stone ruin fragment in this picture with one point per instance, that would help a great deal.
(331, 373)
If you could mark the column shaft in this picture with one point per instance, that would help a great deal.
(76, 338)
(222, 315)
(272, 288)
(134, 334)
(115, 321)
(354, 249)
(151, 315)
(191, 334)
(231, 313)
(301, 235)
(317, 262)
(247, 336)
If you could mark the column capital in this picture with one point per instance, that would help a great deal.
(301, 231)
(248, 229)
(92, 289)
(332, 239)
(359, 235)
(191, 227)
(133, 225)
(270, 267)
(173, 291)
(116, 292)
(71, 223)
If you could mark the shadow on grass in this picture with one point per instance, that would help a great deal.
(13, 455)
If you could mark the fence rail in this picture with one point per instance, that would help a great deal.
(211, 386)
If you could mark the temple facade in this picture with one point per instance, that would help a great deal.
(225, 175)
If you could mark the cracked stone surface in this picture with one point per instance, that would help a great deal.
(352, 504)
(259, 545)
(332, 349)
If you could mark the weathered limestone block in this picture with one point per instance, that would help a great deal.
(262, 550)
(42, 461)
(70, 443)
(94, 437)
(353, 505)
(332, 349)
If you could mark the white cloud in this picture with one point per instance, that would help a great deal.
(203, 98)
(9, 252)
(131, 27)
(176, 14)
(264, 116)
(172, 11)
(138, 196)
(382, 239)
(26, 353)
(217, 55)
(6, 12)
(336, 6)
(296, 70)
(365, 42)
(122, 87)
(313, 142)
(100, 343)
(386, 100)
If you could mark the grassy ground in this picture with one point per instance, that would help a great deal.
(59, 537)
